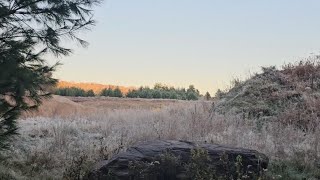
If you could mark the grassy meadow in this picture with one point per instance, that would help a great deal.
(68, 135)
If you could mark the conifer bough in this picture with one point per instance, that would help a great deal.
(29, 29)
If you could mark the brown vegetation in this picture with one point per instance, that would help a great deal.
(53, 147)
(96, 87)
(62, 106)
(290, 95)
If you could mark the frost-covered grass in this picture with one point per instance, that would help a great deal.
(53, 148)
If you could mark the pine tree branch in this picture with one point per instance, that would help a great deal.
(13, 11)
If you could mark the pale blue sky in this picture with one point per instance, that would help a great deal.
(200, 42)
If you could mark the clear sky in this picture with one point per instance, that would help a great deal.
(200, 42)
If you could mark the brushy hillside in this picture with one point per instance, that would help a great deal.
(97, 88)
(58, 106)
(290, 95)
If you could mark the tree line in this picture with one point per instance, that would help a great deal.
(159, 91)
(164, 92)
(73, 91)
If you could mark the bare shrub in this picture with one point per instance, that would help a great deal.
(77, 169)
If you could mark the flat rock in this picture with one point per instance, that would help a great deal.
(252, 161)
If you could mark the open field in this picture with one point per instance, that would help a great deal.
(67, 131)
(60, 106)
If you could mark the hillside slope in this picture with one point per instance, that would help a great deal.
(94, 86)
(290, 95)
(58, 106)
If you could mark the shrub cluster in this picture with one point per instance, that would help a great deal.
(73, 91)
(290, 95)
(164, 92)
(111, 92)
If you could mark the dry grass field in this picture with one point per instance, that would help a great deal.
(68, 135)
(60, 106)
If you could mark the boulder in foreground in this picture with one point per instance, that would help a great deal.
(181, 160)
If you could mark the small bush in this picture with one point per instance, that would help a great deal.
(90, 93)
(292, 170)
(77, 169)
(199, 166)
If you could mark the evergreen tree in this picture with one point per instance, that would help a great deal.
(104, 92)
(192, 96)
(117, 92)
(30, 29)
(158, 86)
(207, 96)
(191, 89)
(90, 93)
(156, 93)
(192, 93)
(71, 91)
(77, 92)
(132, 94)
(219, 94)
(107, 92)
(173, 95)
(165, 95)
(110, 92)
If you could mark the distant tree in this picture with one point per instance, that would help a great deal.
(207, 96)
(74, 91)
(103, 92)
(192, 93)
(71, 91)
(117, 92)
(29, 29)
(132, 94)
(156, 93)
(192, 96)
(173, 95)
(90, 93)
(158, 86)
(219, 94)
(107, 92)
(110, 92)
(191, 89)
(182, 96)
(60, 92)
(145, 92)
(165, 95)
